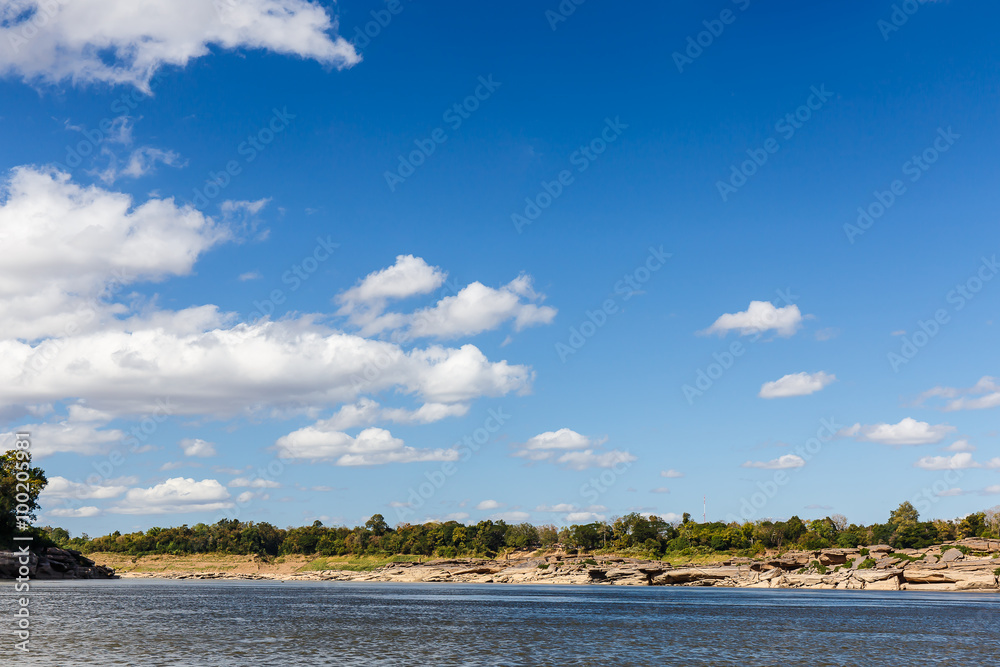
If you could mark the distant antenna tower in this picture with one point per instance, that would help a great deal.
(704, 509)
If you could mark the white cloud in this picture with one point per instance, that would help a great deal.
(77, 513)
(584, 517)
(907, 432)
(366, 412)
(983, 395)
(960, 446)
(477, 308)
(140, 162)
(949, 493)
(992, 490)
(489, 505)
(474, 309)
(785, 462)
(82, 243)
(197, 447)
(796, 384)
(660, 489)
(959, 461)
(571, 450)
(671, 474)
(373, 446)
(559, 507)
(257, 483)
(250, 275)
(175, 495)
(126, 42)
(61, 488)
(65, 436)
(364, 303)
(761, 316)
(564, 438)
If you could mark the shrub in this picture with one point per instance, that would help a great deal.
(590, 561)
(864, 551)
(867, 564)
(543, 566)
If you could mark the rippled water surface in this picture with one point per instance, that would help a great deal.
(148, 622)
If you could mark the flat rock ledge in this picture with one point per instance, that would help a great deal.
(53, 563)
(963, 566)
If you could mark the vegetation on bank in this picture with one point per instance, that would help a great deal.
(632, 534)
(376, 541)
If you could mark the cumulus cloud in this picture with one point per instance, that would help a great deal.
(477, 308)
(65, 436)
(126, 42)
(60, 488)
(671, 474)
(489, 505)
(511, 517)
(961, 446)
(571, 450)
(584, 517)
(197, 447)
(74, 513)
(373, 446)
(796, 384)
(176, 495)
(784, 462)
(82, 243)
(474, 309)
(761, 316)
(907, 432)
(959, 461)
(366, 412)
(983, 395)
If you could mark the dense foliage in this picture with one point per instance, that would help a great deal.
(633, 534)
(20, 485)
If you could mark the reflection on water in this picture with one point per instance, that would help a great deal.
(150, 623)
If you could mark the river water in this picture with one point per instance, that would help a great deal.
(160, 622)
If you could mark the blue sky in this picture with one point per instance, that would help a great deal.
(561, 221)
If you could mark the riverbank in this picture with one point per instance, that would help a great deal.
(971, 564)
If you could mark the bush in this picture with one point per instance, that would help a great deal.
(590, 561)
(543, 566)
(867, 564)
(864, 551)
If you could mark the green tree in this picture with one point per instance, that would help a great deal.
(904, 515)
(20, 485)
(377, 525)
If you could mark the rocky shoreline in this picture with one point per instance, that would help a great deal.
(968, 565)
(52, 563)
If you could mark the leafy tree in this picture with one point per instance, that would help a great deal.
(377, 525)
(20, 485)
(904, 515)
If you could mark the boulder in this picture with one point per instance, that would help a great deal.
(952, 555)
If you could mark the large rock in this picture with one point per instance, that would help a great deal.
(685, 575)
(952, 555)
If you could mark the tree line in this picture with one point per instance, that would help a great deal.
(632, 534)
